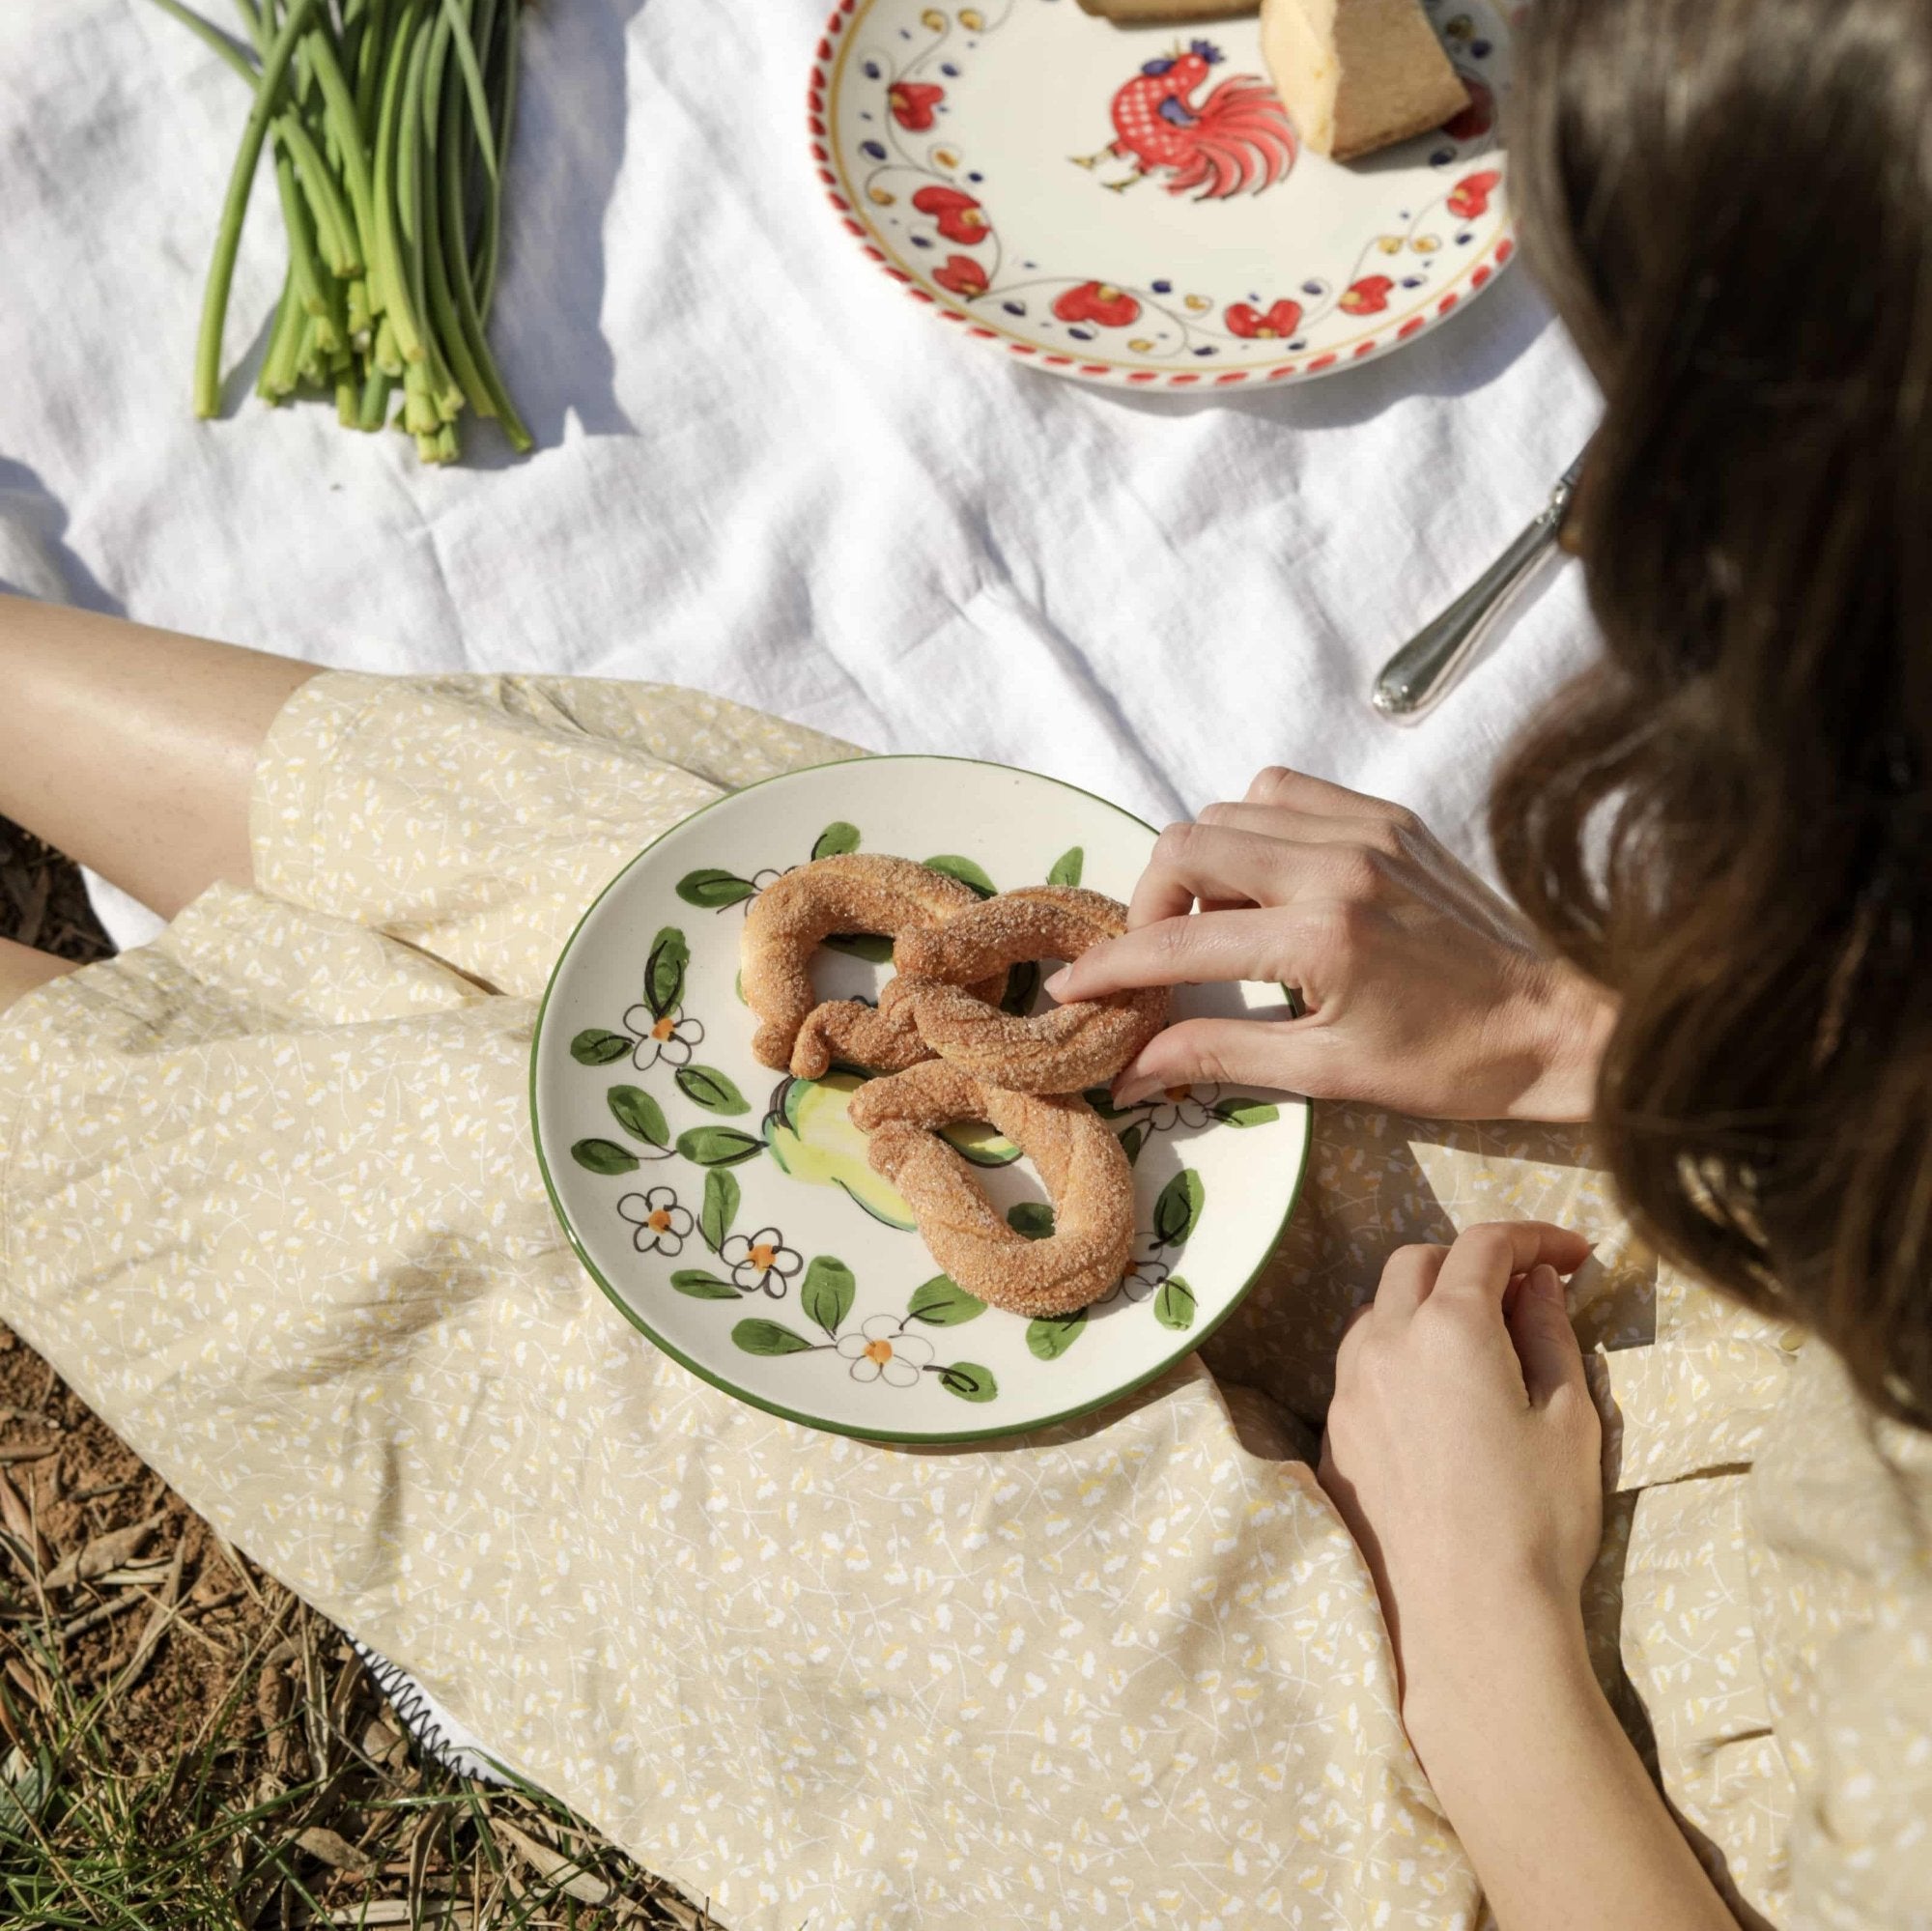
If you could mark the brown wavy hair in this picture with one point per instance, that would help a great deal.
(1728, 820)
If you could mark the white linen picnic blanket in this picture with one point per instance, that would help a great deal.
(761, 470)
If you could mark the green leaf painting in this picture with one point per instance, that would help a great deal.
(713, 889)
(1173, 1303)
(1067, 867)
(1101, 1100)
(604, 1157)
(1237, 1110)
(663, 971)
(1051, 1336)
(758, 1336)
(638, 1115)
(836, 840)
(703, 1287)
(1179, 1207)
(1133, 1140)
(707, 1087)
(718, 1146)
(873, 947)
(970, 1381)
(719, 1210)
(1032, 1218)
(827, 1294)
(964, 870)
(944, 1303)
(595, 1047)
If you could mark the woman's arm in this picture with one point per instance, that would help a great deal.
(1423, 990)
(133, 749)
(1463, 1450)
(1557, 1813)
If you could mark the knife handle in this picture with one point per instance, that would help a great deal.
(1420, 671)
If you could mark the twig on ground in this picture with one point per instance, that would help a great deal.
(151, 1634)
(106, 1612)
(21, 1524)
(104, 1489)
(95, 1558)
(235, 1562)
(567, 1874)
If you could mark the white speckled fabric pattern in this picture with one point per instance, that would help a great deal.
(270, 1203)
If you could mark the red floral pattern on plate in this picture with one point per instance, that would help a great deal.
(1470, 196)
(959, 217)
(1367, 296)
(962, 276)
(1279, 319)
(913, 103)
(1479, 117)
(1097, 302)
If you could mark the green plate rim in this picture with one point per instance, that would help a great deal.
(636, 1321)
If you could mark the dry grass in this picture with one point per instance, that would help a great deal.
(186, 1746)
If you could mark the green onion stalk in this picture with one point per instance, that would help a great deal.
(389, 125)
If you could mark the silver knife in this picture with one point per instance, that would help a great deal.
(1424, 667)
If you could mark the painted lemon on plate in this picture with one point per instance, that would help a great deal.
(810, 1135)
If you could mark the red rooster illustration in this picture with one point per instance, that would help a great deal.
(1235, 139)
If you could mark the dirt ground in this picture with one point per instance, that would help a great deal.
(141, 1654)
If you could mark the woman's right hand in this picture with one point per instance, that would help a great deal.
(1423, 990)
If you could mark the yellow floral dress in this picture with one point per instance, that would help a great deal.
(268, 1200)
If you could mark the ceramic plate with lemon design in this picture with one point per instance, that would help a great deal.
(730, 1213)
(1130, 205)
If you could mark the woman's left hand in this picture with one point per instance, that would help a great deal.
(1462, 1449)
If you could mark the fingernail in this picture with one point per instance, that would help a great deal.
(1543, 1279)
(1127, 1092)
(1057, 984)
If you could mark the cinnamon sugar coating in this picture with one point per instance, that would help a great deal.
(855, 892)
(1085, 1170)
(1064, 1049)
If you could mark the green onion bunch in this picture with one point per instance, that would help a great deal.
(390, 123)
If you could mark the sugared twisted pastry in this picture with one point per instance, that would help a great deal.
(856, 892)
(1064, 1049)
(1086, 1173)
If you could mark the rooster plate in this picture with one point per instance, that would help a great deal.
(1130, 208)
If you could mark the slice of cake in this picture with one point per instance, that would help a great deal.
(1358, 75)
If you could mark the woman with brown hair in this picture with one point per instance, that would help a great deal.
(267, 1197)
(1723, 837)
